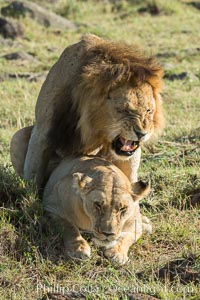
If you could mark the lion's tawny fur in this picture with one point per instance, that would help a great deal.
(97, 90)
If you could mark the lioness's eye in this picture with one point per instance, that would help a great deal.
(97, 206)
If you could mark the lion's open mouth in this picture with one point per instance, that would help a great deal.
(123, 146)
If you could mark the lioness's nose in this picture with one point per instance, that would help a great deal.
(140, 134)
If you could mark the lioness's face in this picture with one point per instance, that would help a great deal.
(132, 118)
(109, 201)
(108, 213)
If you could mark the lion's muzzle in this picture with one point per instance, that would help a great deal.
(106, 236)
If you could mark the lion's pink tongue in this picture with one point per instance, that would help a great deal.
(127, 144)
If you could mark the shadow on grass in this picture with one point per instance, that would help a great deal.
(185, 269)
(26, 232)
(81, 296)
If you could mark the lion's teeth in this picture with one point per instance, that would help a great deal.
(134, 147)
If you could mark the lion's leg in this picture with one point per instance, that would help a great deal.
(130, 167)
(54, 95)
(18, 151)
(119, 253)
(18, 148)
(146, 225)
(37, 157)
(75, 245)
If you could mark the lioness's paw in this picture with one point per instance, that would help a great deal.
(119, 258)
(78, 250)
(146, 225)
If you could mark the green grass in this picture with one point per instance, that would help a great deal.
(165, 264)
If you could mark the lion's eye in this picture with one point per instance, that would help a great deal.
(123, 210)
(149, 111)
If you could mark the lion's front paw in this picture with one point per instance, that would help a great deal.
(116, 256)
(78, 250)
(146, 225)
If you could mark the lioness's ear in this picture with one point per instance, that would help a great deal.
(81, 180)
(140, 189)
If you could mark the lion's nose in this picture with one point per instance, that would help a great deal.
(140, 134)
(108, 233)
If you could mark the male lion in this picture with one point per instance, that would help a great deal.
(93, 195)
(99, 95)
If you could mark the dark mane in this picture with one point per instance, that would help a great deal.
(110, 64)
(105, 65)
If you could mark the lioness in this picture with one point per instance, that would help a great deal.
(98, 95)
(93, 195)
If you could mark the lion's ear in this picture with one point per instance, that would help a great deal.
(81, 181)
(140, 189)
